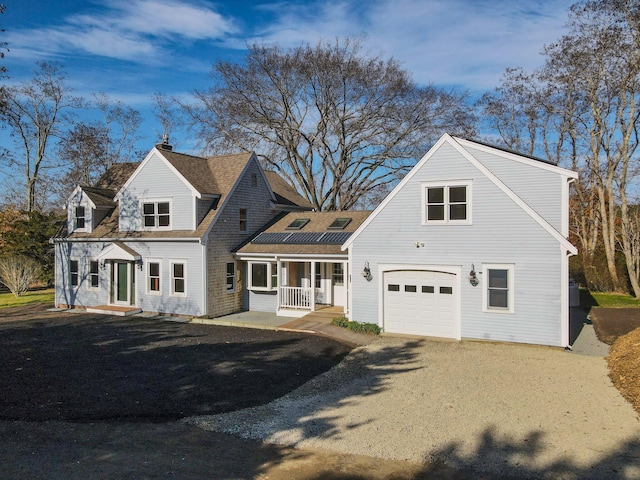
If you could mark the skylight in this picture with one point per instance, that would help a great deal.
(340, 223)
(298, 223)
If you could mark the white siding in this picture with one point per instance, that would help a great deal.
(501, 232)
(540, 189)
(191, 253)
(81, 295)
(156, 181)
(263, 301)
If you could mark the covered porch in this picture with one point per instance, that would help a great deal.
(300, 285)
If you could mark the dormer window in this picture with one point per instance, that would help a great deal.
(156, 214)
(80, 218)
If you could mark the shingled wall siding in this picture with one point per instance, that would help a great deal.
(225, 235)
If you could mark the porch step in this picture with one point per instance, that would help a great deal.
(114, 310)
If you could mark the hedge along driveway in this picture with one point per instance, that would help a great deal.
(88, 367)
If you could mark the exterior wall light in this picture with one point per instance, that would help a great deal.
(473, 277)
(366, 272)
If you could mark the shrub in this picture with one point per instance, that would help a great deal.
(370, 328)
(18, 272)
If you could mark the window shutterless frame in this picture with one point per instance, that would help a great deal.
(498, 287)
(447, 203)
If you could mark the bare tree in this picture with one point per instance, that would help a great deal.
(168, 113)
(587, 117)
(35, 111)
(90, 149)
(18, 273)
(336, 123)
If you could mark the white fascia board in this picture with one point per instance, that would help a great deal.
(83, 197)
(516, 199)
(248, 257)
(517, 158)
(444, 138)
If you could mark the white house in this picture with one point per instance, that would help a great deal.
(472, 243)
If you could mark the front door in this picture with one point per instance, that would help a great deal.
(122, 283)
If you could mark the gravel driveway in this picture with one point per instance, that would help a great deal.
(514, 410)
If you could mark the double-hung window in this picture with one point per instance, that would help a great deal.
(244, 224)
(263, 276)
(178, 278)
(94, 274)
(153, 276)
(80, 218)
(447, 203)
(74, 273)
(231, 277)
(156, 214)
(498, 290)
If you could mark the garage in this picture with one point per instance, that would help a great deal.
(420, 302)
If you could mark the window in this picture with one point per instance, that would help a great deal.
(94, 274)
(74, 273)
(243, 220)
(427, 289)
(410, 288)
(254, 180)
(231, 277)
(178, 279)
(447, 203)
(498, 292)
(80, 218)
(392, 287)
(153, 276)
(446, 290)
(339, 223)
(156, 214)
(338, 274)
(297, 224)
(263, 276)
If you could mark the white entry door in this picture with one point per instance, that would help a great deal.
(421, 303)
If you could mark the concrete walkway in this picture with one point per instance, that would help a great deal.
(318, 322)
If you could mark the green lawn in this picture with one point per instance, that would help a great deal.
(35, 296)
(607, 300)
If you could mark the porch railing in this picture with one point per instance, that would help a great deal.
(295, 297)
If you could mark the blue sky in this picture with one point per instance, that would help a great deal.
(131, 49)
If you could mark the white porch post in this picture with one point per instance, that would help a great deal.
(279, 287)
(347, 287)
(313, 286)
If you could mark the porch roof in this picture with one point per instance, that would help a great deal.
(281, 238)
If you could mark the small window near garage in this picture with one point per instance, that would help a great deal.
(392, 287)
(178, 279)
(74, 273)
(153, 277)
(80, 218)
(410, 288)
(498, 292)
(231, 277)
(427, 289)
(446, 290)
(94, 274)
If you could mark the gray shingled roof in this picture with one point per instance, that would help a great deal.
(214, 175)
(318, 222)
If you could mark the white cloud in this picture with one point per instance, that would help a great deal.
(126, 30)
(455, 42)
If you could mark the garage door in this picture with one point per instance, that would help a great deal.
(420, 303)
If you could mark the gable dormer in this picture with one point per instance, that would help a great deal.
(87, 206)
